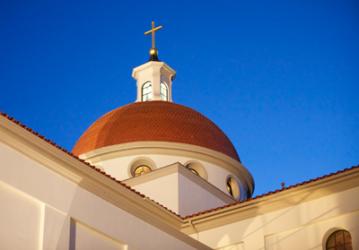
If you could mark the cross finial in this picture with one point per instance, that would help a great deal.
(152, 32)
(153, 50)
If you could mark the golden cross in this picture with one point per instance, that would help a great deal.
(152, 31)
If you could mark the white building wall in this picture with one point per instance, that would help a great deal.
(301, 226)
(163, 190)
(43, 210)
(179, 193)
(193, 198)
(20, 218)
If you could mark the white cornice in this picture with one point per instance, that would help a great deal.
(153, 64)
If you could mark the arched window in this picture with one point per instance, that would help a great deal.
(146, 91)
(339, 240)
(164, 91)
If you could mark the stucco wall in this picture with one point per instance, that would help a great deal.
(43, 210)
(163, 190)
(304, 225)
(193, 198)
(20, 218)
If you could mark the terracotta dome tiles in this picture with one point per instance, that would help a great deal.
(154, 121)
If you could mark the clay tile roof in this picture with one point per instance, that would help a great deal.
(154, 121)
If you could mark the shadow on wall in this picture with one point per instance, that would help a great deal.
(72, 240)
(330, 213)
(313, 220)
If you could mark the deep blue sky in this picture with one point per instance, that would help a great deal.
(279, 77)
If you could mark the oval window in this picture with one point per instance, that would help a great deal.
(233, 187)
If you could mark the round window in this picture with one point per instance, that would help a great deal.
(142, 169)
(141, 166)
(197, 169)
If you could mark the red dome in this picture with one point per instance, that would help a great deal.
(154, 121)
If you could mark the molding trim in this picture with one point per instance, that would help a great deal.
(163, 65)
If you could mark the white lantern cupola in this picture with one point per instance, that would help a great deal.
(154, 78)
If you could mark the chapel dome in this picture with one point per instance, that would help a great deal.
(154, 121)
